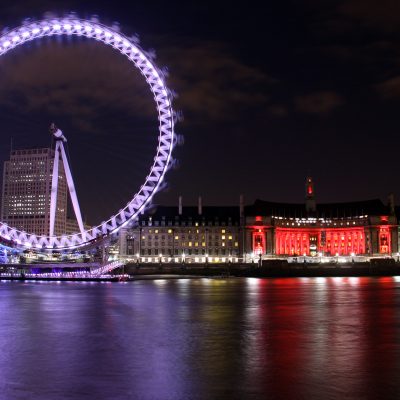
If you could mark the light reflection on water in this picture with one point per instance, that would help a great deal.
(295, 338)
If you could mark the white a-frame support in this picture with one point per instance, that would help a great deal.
(60, 138)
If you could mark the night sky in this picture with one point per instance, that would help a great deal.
(270, 95)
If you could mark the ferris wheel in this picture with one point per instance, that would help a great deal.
(167, 118)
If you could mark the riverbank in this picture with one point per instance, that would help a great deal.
(270, 269)
(111, 278)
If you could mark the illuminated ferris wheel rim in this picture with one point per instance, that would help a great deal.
(162, 97)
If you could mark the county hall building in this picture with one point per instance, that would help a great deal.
(269, 229)
(340, 229)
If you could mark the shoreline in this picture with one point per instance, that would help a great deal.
(112, 278)
(137, 272)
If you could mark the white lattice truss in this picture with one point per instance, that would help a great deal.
(106, 269)
(162, 96)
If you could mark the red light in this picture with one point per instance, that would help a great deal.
(258, 242)
(297, 241)
(384, 240)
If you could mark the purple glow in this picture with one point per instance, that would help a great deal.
(162, 159)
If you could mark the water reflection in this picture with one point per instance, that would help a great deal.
(294, 338)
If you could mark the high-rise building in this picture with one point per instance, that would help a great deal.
(72, 226)
(26, 192)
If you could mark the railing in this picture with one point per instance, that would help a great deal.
(106, 269)
(98, 273)
(52, 275)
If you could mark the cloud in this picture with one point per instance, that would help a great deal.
(383, 15)
(278, 110)
(82, 80)
(215, 85)
(85, 80)
(332, 17)
(390, 88)
(322, 102)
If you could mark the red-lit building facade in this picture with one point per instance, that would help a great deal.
(358, 228)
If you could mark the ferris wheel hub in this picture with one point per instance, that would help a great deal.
(57, 133)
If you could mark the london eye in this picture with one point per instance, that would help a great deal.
(155, 79)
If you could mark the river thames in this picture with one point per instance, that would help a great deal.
(300, 338)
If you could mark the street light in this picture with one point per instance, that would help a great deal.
(137, 258)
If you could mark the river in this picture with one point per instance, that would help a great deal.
(299, 338)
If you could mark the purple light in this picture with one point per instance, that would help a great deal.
(165, 137)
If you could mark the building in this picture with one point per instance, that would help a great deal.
(338, 229)
(264, 229)
(184, 234)
(26, 191)
(71, 226)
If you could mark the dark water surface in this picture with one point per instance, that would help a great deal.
(303, 338)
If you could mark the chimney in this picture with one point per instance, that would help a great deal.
(241, 206)
(180, 206)
(391, 204)
(200, 206)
